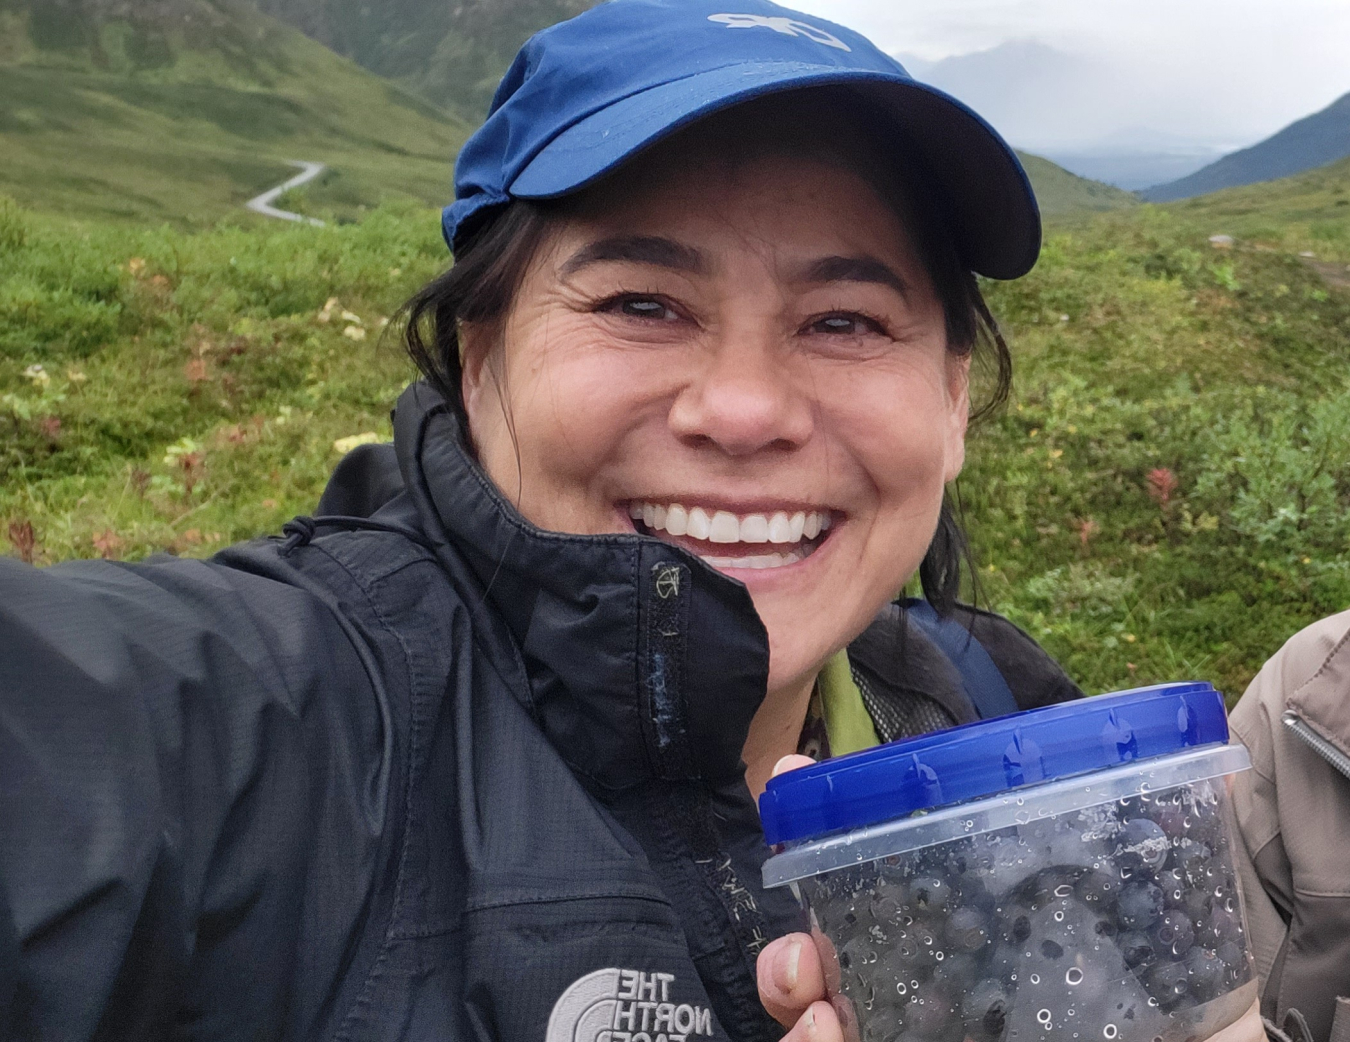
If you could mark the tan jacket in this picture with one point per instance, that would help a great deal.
(1293, 812)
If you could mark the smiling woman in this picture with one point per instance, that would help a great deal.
(473, 754)
(744, 343)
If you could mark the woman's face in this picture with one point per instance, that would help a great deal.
(745, 358)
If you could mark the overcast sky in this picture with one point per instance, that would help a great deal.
(1222, 71)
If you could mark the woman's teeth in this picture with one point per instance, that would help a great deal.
(722, 526)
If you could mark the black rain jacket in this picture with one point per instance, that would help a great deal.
(425, 772)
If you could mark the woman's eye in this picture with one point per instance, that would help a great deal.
(845, 325)
(642, 307)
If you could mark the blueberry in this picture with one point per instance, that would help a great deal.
(1015, 924)
(930, 894)
(968, 930)
(1219, 926)
(889, 903)
(1136, 948)
(929, 1015)
(1196, 903)
(1174, 887)
(1193, 858)
(1139, 906)
(858, 956)
(1173, 934)
(957, 970)
(1169, 983)
(1142, 847)
(1207, 973)
(985, 1011)
(1173, 818)
(1098, 891)
(970, 891)
(1005, 964)
(1237, 967)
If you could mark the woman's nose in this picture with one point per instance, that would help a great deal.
(743, 399)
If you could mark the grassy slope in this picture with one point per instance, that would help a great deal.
(1061, 193)
(1167, 493)
(86, 132)
(191, 395)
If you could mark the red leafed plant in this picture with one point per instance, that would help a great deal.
(23, 539)
(1161, 484)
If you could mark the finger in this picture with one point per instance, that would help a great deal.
(790, 977)
(791, 763)
(1247, 1029)
(818, 1023)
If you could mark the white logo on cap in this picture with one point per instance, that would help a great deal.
(786, 26)
(617, 1005)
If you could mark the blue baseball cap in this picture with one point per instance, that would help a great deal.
(587, 94)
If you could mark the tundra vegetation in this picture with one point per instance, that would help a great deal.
(1165, 495)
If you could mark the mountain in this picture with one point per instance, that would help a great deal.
(453, 54)
(180, 110)
(1311, 142)
(1036, 96)
(1061, 193)
(1138, 157)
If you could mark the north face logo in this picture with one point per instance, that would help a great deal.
(787, 26)
(625, 1006)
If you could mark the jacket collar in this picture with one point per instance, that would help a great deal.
(643, 662)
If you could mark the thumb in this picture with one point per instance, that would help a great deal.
(792, 763)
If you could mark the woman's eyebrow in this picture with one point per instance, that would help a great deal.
(639, 249)
(854, 269)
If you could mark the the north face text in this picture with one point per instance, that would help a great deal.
(626, 1006)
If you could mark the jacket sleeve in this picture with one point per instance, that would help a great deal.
(1293, 817)
(165, 758)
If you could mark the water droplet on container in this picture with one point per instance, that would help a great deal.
(1044, 1017)
(1059, 917)
(1110, 1031)
(1073, 977)
(1035, 978)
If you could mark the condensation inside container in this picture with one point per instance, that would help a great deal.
(1117, 921)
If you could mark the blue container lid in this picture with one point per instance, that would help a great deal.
(989, 757)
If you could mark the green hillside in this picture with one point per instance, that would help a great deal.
(185, 115)
(1309, 211)
(1061, 193)
(452, 54)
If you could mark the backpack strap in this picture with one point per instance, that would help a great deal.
(985, 685)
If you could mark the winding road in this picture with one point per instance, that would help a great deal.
(263, 203)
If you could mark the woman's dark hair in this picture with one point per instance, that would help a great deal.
(491, 264)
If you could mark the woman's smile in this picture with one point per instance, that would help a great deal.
(731, 540)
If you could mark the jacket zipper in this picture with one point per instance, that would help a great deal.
(1317, 743)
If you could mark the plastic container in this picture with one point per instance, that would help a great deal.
(1059, 874)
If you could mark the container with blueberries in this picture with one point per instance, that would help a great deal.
(1059, 874)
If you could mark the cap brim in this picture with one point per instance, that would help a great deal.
(992, 208)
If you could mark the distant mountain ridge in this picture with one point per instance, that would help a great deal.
(1313, 141)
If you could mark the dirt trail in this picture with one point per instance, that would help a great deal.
(263, 203)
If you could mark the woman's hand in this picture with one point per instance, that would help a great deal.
(1248, 1029)
(792, 988)
(792, 974)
